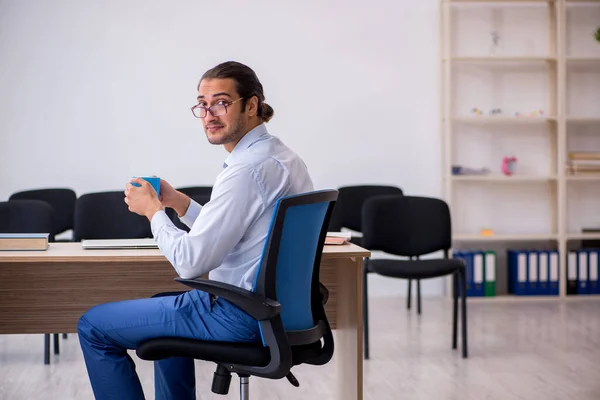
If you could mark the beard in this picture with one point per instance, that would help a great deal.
(229, 135)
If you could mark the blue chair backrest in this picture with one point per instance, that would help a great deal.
(292, 255)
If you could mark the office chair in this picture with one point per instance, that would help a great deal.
(197, 191)
(30, 216)
(61, 200)
(287, 301)
(200, 194)
(348, 208)
(104, 215)
(412, 227)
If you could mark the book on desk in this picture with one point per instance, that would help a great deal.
(337, 238)
(24, 241)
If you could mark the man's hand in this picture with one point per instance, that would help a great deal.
(142, 200)
(172, 198)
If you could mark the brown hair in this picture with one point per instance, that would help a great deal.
(246, 84)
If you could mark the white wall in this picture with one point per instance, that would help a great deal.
(94, 92)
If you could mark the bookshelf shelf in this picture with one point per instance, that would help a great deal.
(592, 120)
(505, 59)
(583, 177)
(580, 236)
(520, 56)
(502, 1)
(504, 120)
(504, 237)
(503, 178)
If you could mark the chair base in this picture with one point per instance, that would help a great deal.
(222, 380)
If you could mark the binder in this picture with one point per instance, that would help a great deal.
(489, 264)
(554, 272)
(468, 258)
(593, 287)
(582, 272)
(478, 273)
(517, 272)
(544, 271)
(572, 273)
(532, 273)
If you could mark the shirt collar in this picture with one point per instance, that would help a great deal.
(248, 140)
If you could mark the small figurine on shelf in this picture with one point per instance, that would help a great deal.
(476, 111)
(486, 232)
(495, 111)
(509, 165)
(597, 34)
(536, 113)
(495, 43)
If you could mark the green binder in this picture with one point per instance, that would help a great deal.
(489, 265)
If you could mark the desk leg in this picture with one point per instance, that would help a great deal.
(349, 334)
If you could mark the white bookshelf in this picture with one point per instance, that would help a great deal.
(544, 75)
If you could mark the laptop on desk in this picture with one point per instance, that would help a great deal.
(98, 244)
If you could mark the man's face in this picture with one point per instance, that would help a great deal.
(227, 128)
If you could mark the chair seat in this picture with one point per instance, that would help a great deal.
(415, 269)
(254, 354)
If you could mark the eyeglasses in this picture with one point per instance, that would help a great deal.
(216, 109)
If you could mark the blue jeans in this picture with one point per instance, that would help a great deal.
(106, 332)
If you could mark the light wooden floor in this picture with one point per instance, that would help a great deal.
(537, 349)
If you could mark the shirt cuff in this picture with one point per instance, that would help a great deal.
(159, 220)
(191, 214)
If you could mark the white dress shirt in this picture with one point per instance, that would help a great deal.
(227, 235)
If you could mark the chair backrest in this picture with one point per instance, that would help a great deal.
(201, 194)
(105, 215)
(289, 270)
(27, 216)
(406, 225)
(62, 201)
(348, 208)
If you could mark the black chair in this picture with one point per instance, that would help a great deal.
(348, 208)
(105, 215)
(412, 227)
(287, 301)
(62, 201)
(200, 194)
(30, 216)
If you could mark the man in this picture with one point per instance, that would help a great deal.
(226, 239)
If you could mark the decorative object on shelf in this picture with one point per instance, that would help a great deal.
(509, 165)
(495, 43)
(531, 114)
(487, 232)
(597, 34)
(476, 111)
(460, 170)
(495, 111)
(581, 162)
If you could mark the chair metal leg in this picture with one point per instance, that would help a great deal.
(244, 388)
(365, 309)
(46, 348)
(454, 309)
(64, 336)
(409, 294)
(463, 283)
(418, 296)
(56, 344)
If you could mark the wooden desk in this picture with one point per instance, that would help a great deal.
(47, 292)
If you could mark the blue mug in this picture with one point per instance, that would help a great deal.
(153, 180)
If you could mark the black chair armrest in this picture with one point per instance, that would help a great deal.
(324, 293)
(259, 307)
